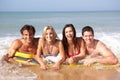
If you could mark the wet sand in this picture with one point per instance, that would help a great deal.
(66, 72)
(79, 72)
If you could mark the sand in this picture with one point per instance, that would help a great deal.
(66, 72)
(78, 72)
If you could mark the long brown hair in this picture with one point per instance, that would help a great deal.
(64, 39)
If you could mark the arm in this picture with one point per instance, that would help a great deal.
(108, 56)
(12, 50)
(82, 51)
(38, 55)
(62, 54)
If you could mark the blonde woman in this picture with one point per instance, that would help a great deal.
(50, 49)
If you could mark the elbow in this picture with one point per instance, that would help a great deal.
(114, 61)
(111, 60)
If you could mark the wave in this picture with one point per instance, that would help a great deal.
(15, 72)
(110, 39)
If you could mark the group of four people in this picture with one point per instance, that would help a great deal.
(49, 48)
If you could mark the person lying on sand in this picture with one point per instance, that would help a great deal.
(24, 49)
(73, 46)
(50, 49)
(96, 48)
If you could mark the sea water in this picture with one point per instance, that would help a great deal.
(106, 25)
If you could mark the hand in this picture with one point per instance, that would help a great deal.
(70, 60)
(44, 67)
(88, 62)
(56, 66)
(5, 58)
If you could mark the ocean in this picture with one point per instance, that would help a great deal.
(106, 25)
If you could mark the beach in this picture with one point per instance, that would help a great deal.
(66, 72)
(79, 72)
(105, 23)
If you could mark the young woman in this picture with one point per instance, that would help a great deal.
(73, 46)
(50, 49)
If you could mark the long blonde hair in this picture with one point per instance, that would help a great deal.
(45, 30)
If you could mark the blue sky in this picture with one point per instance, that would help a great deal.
(59, 5)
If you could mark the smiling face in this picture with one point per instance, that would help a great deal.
(69, 33)
(88, 37)
(49, 36)
(28, 36)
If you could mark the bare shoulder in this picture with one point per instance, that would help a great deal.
(58, 42)
(100, 44)
(102, 48)
(41, 42)
(16, 43)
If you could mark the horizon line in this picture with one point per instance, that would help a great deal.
(68, 11)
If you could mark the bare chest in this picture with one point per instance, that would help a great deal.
(28, 49)
(92, 51)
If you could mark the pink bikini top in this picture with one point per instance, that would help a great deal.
(73, 54)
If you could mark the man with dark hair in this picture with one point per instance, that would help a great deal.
(95, 48)
(23, 49)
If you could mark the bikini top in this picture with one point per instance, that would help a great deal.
(46, 55)
(73, 54)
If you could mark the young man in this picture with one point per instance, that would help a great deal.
(24, 48)
(97, 50)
